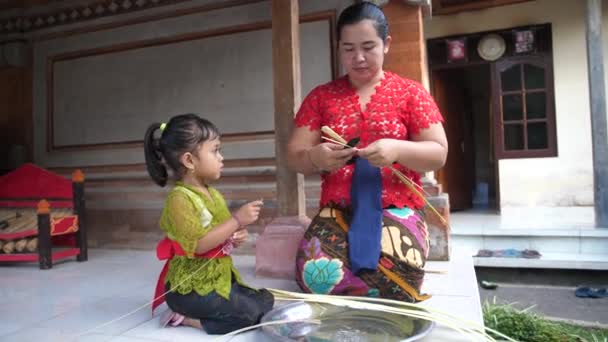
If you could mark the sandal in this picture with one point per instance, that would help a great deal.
(488, 285)
(589, 292)
(531, 254)
(484, 253)
(508, 253)
(170, 317)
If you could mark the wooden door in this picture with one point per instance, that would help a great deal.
(15, 111)
(458, 175)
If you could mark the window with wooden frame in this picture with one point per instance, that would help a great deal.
(524, 111)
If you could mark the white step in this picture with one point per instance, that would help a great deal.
(577, 241)
(577, 261)
(565, 236)
(564, 248)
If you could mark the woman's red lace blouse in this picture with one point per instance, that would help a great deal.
(399, 109)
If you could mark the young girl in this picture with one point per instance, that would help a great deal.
(205, 290)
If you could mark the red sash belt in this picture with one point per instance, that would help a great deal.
(166, 250)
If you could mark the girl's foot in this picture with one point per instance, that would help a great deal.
(192, 322)
(170, 317)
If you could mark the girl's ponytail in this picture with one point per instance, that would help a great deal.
(154, 157)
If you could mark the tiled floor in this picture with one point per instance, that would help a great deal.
(92, 301)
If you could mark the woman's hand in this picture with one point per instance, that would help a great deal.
(248, 213)
(330, 157)
(383, 152)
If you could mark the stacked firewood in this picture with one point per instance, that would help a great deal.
(25, 245)
(11, 222)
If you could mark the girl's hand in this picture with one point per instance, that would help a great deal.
(380, 153)
(239, 237)
(330, 157)
(248, 213)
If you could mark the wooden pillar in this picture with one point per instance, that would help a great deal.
(407, 55)
(44, 235)
(79, 206)
(407, 58)
(597, 100)
(287, 97)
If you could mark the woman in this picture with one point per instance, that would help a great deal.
(369, 237)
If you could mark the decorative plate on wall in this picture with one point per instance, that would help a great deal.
(491, 47)
(457, 50)
(524, 41)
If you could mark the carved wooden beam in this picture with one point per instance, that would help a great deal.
(440, 8)
(407, 2)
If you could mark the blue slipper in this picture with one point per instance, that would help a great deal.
(589, 292)
(508, 253)
(601, 293)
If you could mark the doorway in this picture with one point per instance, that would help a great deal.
(464, 97)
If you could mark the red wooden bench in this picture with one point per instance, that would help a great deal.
(41, 216)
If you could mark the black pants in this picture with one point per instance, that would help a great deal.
(218, 315)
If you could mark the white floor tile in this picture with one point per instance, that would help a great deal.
(93, 317)
(93, 338)
(594, 246)
(134, 339)
(76, 299)
(496, 243)
(152, 330)
(555, 244)
(36, 334)
(523, 218)
(35, 310)
(460, 307)
(7, 328)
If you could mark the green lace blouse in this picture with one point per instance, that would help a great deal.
(187, 216)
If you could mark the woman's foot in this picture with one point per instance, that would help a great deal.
(170, 317)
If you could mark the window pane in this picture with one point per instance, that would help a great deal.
(512, 108)
(534, 76)
(537, 136)
(514, 137)
(511, 78)
(536, 105)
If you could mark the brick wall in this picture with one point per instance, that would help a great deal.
(407, 55)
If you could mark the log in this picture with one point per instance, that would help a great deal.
(9, 247)
(20, 245)
(32, 245)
